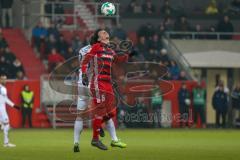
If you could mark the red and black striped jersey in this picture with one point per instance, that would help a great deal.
(102, 57)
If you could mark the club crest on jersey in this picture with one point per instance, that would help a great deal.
(107, 56)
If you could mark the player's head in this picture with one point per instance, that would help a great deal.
(3, 79)
(26, 87)
(100, 35)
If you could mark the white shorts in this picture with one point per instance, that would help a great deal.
(4, 117)
(83, 97)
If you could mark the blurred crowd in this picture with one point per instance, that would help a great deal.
(168, 8)
(9, 64)
(182, 24)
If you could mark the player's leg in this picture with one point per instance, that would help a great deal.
(78, 127)
(78, 124)
(96, 124)
(6, 127)
(110, 126)
(97, 111)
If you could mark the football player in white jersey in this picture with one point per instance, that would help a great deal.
(3, 113)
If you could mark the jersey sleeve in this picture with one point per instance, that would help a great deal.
(87, 58)
(5, 97)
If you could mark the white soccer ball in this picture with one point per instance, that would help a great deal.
(108, 9)
(187, 102)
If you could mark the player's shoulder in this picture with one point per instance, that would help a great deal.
(85, 49)
(3, 89)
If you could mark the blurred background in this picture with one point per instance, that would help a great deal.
(199, 43)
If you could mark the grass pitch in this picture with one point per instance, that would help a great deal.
(159, 144)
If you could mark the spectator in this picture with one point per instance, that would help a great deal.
(174, 70)
(146, 30)
(59, 11)
(236, 97)
(69, 53)
(134, 7)
(166, 9)
(182, 25)
(6, 7)
(163, 55)
(183, 101)
(54, 59)
(235, 6)
(212, 34)
(168, 24)
(168, 76)
(21, 75)
(198, 29)
(199, 102)
(156, 103)
(225, 25)
(119, 32)
(225, 88)
(76, 43)
(182, 76)
(8, 56)
(212, 8)
(4, 67)
(152, 56)
(50, 44)
(17, 67)
(236, 102)
(27, 97)
(148, 7)
(155, 43)
(220, 105)
(161, 30)
(141, 47)
(3, 42)
(53, 30)
(150, 30)
(62, 45)
(38, 33)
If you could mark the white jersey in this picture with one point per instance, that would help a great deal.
(82, 52)
(3, 101)
(82, 100)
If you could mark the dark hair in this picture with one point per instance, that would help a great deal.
(94, 38)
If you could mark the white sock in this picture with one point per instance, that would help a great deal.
(78, 126)
(5, 133)
(111, 129)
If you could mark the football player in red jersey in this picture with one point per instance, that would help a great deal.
(101, 85)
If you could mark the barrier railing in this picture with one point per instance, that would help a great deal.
(202, 35)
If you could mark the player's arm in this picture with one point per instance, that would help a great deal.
(7, 100)
(120, 57)
(84, 64)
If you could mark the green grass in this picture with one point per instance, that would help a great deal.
(167, 144)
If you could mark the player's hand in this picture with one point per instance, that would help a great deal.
(85, 81)
(16, 107)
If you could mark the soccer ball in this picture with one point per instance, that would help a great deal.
(108, 9)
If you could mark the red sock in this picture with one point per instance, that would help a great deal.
(96, 123)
